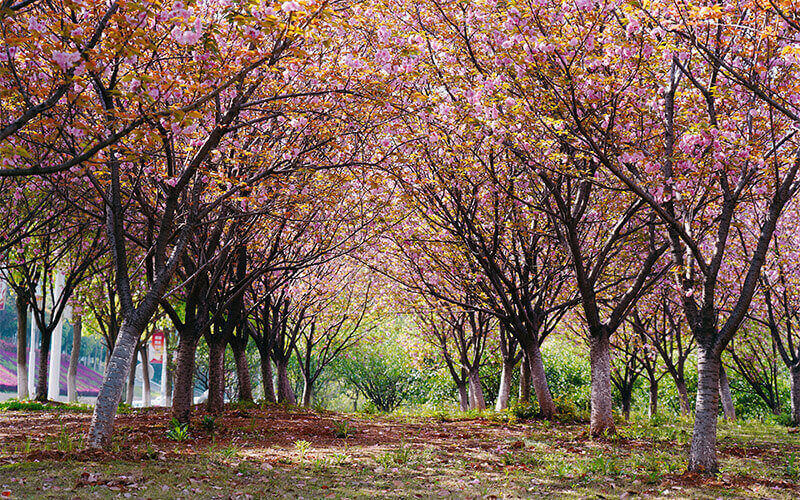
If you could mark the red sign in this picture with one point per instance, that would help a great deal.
(157, 345)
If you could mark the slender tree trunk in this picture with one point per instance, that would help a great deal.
(504, 392)
(167, 369)
(216, 378)
(183, 395)
(285, 391)
(242, 372)
(146, 396)
(463, 396)
(653, 399)
(478, 401)
(22, 348)
(683, 396)
(524, 380)
(131, 381)
(539, 381)
(119, 364)
(267, 385)
(703, 451)
(44, 365)
(725, 394)
(307, 390)
(74, 356)
(794, 375)
(602, 416)
(627, 395)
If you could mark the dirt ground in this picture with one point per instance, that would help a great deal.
(294, 453)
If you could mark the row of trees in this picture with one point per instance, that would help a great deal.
(525, 168)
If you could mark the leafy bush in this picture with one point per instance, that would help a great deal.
(178, 431)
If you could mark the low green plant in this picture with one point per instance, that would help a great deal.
(399, 456)
(209, 423)
(178, 431)
(793, 466)
(523, 410)
(229, 451)
(302, 446)
(14, 405)
(342, 429)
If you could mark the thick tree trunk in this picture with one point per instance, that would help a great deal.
(242, 372)
(167, 370)
(74, 356)
(285, 391)
(539, 381)
(683, 397)
(653, 399)
(307, 390)
(703, 451)
(267, 385)
(725, 395)
(794, 375)
(524, 381)
(146, 396)
(22, 348)
(183, 395)
(478, 402)
(44, 365)
(216, 378)
(602, 416)
(108, 399)
(627, 395)
(504, 392)
(463, 396)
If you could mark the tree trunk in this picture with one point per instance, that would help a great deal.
(627, 395)
(525, 380)
(131, 381)
(267, 386)
(74, 356)
(117, 369)
(44, 364)
(478, 401)
(653, 399)
(602, 416)
(725, 395)
(794, 375)
(216, 378)
(242, 372)
(463, 396)
(183, 395)
(683, 396)
(307, 390)
(539, 381)
(167, 370)
(146, 396)
(285, 391)
(505, 386)
(22, 348)
(703, 451)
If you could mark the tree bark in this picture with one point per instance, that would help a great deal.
(183, 395)
(626, 404)
(216, 378)
(653, 399)
(267, 385)
(524, 380)
(703, 454)
(167, 370)
(683, 397)
(131, 380)
(307, 390)
(504, 392)
(602, 416)
(242, 372)
(146, 396)
(539, 381)
(285, 391)
(478, 401)
(725, 395)
(44, 366)
(74, 356)
(119, 364)
(463, 396)
(794, 375)
(22, 348)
